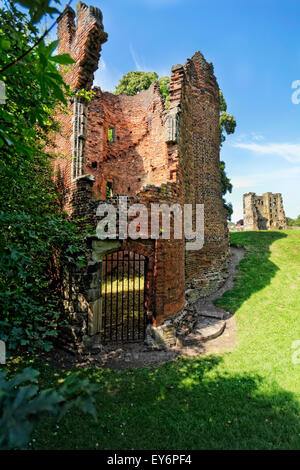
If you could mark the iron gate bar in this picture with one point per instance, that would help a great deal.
(105, 308)
(111, 294)
(145, 262)
(128, 301)
(117, 309)
(133, 282)
(124, 325)
(139, 302)
(123, 276)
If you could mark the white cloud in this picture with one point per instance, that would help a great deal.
(102, 65)
(140, 64)
(261, 178)
(256, 136)
(290, 152)
(135, 58)
(248, 137)
(105, 77)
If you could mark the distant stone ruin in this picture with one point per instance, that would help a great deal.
(264, 212)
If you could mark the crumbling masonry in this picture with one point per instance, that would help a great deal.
(264, 212)
(131, 145)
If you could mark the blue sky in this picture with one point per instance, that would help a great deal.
(255, 49)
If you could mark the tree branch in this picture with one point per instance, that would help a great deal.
(8, 66)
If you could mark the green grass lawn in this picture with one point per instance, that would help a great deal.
(247, 398)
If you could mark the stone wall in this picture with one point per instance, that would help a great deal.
(82, 306)
(264, 212)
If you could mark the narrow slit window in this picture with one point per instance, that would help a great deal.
(111, 134)
(109, 189)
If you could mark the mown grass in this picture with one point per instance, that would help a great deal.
(247, 398)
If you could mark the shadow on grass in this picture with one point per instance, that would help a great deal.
(255, 271)
(187, 404)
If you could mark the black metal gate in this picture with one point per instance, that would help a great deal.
(123, 294)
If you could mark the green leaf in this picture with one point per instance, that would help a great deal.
(23, 406)
(63, 59)
(38, 8)
(52, 46)
(27, 375)
(4, 44)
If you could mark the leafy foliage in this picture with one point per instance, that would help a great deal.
(86, 94)
(35, 237)
(39, 8)
(164, 88)
(226, 187)
(227, 121)
(293, 222)
(34, 86)
(134, 82)
(32, 249)
(227, 126)
(22, 404)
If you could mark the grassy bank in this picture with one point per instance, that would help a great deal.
(247, 398)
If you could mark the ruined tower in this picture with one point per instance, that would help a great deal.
(264, 212)
(132, 146)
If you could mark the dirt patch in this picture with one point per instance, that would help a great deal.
(134, 355)
(121, 357)
(224, 342)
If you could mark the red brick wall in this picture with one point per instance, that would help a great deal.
(145, 165)
(200, 162)
(83, 41)
(168, 273)
(139, 163)
(138, 156)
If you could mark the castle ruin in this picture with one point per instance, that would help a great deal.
(131, 146)
(264, 212)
